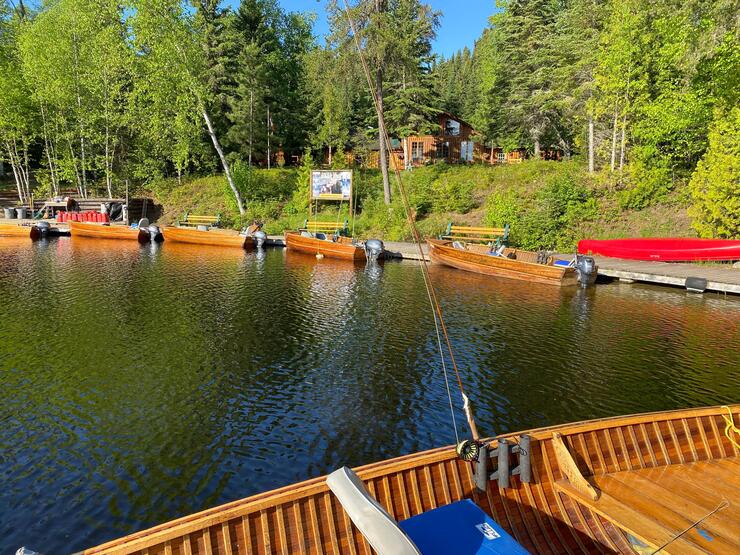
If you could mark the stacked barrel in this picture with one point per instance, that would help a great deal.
(96, 217)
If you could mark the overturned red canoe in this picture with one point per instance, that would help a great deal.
(666, 250)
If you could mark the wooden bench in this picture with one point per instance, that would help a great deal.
(340, 228)
(194, 220)
(497, 235)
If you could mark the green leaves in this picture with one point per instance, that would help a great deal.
(715, 185)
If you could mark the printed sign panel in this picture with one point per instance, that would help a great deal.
(331, 185)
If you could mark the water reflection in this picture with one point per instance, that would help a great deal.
(140, 383)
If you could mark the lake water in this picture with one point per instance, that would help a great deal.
(138, 384)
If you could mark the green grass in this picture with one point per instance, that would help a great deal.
(549, 204)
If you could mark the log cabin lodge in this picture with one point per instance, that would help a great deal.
(455, 142)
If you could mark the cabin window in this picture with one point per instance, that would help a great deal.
(452, 128)
(443, 150)
(501, 156)
(417, 151)
(466, 151)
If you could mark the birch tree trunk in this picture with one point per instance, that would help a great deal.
(381, 138)
(590, 144)
(614, 140)
(224, 163)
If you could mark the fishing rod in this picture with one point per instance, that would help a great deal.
(466, 449)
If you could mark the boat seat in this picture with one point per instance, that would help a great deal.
(306, 234)
(461, 528)
(320, 235)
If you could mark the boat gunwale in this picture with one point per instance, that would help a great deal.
(223, 513)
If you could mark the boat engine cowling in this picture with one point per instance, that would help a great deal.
(40, 231)
(260, 238)
(155, 234)
(374, 249)
(586, 269)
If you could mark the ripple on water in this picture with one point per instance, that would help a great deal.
(144, 383)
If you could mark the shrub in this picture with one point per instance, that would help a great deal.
(715, 185)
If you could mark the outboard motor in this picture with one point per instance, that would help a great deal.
(260, 238)
(155, 234)
(40, 231)
(374, 249)
(586, 270)
(143, 227)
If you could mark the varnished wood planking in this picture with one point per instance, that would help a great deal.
(343, 248)
(210, 238)
(307, 519)
(444, 253)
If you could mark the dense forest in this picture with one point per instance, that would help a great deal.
(95, 93)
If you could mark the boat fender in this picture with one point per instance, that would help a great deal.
(260, 238)
(374, 249)
(319, 256)
(696, 285)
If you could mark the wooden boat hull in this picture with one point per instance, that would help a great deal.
(443, 252)
(10, 230)
(666, 250)
(541, 515)
(342, 248)
(209, 238)
(101, 231)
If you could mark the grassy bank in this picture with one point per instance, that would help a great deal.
(550, 205)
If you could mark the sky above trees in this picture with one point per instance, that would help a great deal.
(460, 25)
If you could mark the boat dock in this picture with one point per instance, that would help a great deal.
(721, 278)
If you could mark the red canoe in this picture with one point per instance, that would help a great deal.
(667, 250)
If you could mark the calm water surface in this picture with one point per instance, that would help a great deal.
(138, 384)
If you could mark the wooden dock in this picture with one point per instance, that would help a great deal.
(722, 278)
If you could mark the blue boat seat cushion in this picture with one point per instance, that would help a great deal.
(461, 528)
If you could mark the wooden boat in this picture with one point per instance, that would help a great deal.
(523, 265)
(12, 230)
(654, 475)
(667, 250)
(343, 247)
(211, 237)
(105, 231)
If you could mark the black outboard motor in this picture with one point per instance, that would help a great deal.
(155, 234)
(260, 238)
(40, 231)
(374, 249)
(586, 269)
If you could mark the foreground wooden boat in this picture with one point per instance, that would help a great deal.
(664, 249)
(103, 231)
(523, 265)
(655, 476)
(11, 230)
(211, 237)
(343, 248)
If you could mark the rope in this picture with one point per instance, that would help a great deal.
(730, 426)
(437, 310)
(718, 508)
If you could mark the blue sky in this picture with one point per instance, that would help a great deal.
(462, 21)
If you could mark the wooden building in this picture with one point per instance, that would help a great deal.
(455, 142)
